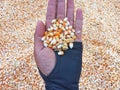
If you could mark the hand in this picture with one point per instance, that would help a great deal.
(45, 57)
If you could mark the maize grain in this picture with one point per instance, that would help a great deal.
(59, 36)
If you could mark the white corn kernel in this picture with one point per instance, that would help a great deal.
(54, 20)
(49, 29)
(45, 44)
(67, 27)
(65, 19)
(57, 24)
(60, 53)
(68, 23)
(50, 39)
(68, 36)
(63, 28)
(66, 32)
(53, 41)
(64, 48)
(47, 38)
(61, 21)
(69, 31)
(54, 47)
(54, 25)
(71, 45)
(61, 35)
(55, 28)
(59, 46)
(57, 39)
(51, 34)
(70, 27)
(73, 30)
(43, 38)
(60, 25)
(72, 34)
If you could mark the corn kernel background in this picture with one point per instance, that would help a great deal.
(101, 40)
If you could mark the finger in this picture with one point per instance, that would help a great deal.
(61, 9)
(79, 23)
(70, 11)
(51, 12)
(40, 29)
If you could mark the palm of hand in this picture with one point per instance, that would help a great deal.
(45, 57)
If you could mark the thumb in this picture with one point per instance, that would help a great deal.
(39, 32)
(40, 29)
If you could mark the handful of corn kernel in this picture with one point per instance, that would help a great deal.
(59, 36)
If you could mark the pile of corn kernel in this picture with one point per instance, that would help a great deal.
(59, 36)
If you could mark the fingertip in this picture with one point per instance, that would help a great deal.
(79, 23)
(79, 10)
(70, 11)
(39, 25)
(39, 22)
(79, 14)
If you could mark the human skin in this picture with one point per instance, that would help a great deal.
(45, 57)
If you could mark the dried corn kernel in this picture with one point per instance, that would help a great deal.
(59, 36)
(60, 53)
(71, 45)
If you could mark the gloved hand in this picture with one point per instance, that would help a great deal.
(45, 57)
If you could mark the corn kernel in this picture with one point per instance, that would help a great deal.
(59, 36)
(60, 53)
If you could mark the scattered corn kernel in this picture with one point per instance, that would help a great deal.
(60, 53)
(71, 45)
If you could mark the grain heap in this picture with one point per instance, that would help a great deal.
(59, 36)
